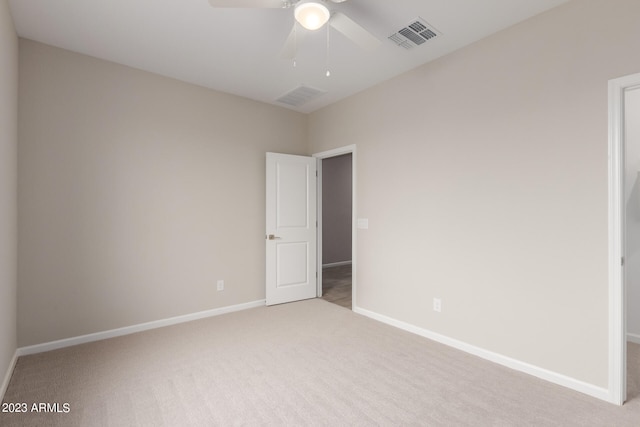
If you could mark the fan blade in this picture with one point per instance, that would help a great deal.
(290, 48)
(258, 4)
(353, 31)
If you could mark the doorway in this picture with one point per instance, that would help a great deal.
(336, 231)
(624, 218)
(337, 217)
(631, 237)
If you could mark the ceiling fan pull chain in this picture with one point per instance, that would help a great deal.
(328, 73)
(295, 43)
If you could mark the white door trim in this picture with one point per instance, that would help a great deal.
(325, 155)
(617, 289)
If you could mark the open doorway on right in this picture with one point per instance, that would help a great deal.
(337, 222)
(632, 237)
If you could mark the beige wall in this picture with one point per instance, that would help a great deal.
(8, 197)
(494, 190)
(136, 193)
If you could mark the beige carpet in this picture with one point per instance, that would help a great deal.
(306, 363)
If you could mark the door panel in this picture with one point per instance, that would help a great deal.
(293, 264)
(290, 228)
(292, 196)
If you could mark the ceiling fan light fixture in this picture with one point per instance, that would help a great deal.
(311, 15)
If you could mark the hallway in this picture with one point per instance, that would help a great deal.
(336, 285)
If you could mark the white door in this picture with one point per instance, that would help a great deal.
(291, 228)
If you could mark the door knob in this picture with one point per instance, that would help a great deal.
(273, 237)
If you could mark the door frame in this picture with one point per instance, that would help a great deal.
(349, 149)
(617, 229)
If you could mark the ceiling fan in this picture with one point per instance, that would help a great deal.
(311, 15)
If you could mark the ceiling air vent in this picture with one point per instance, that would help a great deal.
(414, 34)
(300, 95)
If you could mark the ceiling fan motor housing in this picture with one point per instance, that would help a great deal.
(312, 15)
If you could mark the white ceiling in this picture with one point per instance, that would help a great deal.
(237, 50)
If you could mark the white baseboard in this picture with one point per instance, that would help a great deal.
(7, 376)
(553, 377)
(336, 264)
(68, 342)
(634, 338)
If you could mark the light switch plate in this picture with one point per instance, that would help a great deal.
(363, 223)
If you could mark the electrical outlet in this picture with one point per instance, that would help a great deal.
(221, 285)
(437, 305)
